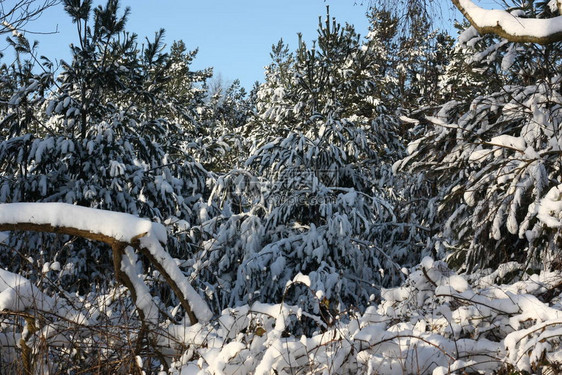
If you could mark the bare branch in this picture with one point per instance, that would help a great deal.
(15, 15)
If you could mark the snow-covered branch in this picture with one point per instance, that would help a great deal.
(123, 232)
(509, 26)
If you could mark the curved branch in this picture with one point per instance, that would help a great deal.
(61, 230)
(510, 27)
(118, 230)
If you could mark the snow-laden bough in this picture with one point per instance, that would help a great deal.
(125, 233)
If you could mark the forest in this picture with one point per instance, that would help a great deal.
(379, 204)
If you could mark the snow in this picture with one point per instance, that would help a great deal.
(517, 143)
(17, 294)
(480, 155)
(152, 242)
(408, 120)
(550, 208)
(120, 226)
(303, 279)
(144, 299)
(434, 323)
(324, 268)
(468, 34)
(509, 59)
(517, 26)
(278, 266)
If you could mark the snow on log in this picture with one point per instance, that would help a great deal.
(118, 230)
(509, 26)
(167, 266)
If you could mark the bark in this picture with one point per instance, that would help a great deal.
(523, 35)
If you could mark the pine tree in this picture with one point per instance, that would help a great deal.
(111, 133)
(490, 155)
(220, 146)
(315, 195)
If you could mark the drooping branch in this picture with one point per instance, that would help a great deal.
(121, 232)
(513, 28)
(118, 248)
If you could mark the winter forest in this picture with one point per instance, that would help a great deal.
(380, 204)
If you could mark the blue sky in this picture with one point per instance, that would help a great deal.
(233, 36)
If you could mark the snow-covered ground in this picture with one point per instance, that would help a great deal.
(438, 322)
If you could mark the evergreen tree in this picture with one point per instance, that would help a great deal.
(220, 146)
(315, 196)
(421, 57)
(109, 133)
(491, 155)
